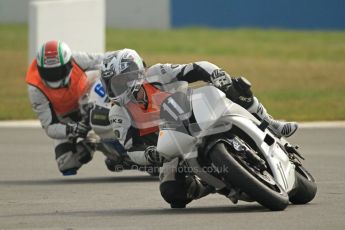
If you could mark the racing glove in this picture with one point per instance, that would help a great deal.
(153, 156)
(221, 79)
(75, 130)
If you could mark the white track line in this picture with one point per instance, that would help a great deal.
(20, 124)
(307, 125)
(322, 124)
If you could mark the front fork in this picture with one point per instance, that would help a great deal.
(195, 160)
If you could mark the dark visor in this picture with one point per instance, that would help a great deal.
(122, 82)
(55, 74)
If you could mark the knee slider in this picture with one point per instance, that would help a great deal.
(175, 193)
(64, 156)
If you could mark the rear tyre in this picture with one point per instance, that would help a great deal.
(305, 187)
(260, 186)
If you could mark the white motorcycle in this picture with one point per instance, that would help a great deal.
(102, 136)
(229, 149)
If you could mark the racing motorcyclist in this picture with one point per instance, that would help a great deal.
(57, 82)
(137, 93)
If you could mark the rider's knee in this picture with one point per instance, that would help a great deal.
(70, 157)
(175, 193)
(173, 185)
(240, 92)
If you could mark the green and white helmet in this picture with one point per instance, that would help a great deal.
(54, 63)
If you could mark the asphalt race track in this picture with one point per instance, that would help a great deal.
(34, 195)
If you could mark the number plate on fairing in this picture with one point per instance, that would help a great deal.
(99, 116)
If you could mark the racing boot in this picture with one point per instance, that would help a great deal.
(113, 166)
(280, 128)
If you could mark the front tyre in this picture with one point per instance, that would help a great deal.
(306, 188)
(260, 186)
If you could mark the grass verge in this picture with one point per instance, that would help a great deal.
(298, 75)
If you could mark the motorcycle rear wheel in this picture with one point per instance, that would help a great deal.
(266, 192)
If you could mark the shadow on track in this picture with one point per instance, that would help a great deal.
(242, 208)
(93, 180)
(247, 208)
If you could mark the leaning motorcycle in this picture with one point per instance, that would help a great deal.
(230, 150)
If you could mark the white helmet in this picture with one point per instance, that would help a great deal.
(122, 74)
(54, 63)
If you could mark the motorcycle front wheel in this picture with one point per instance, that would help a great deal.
(259, 185)
(306, 188)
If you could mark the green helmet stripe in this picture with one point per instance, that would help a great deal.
(60, 54)
(42, 56)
